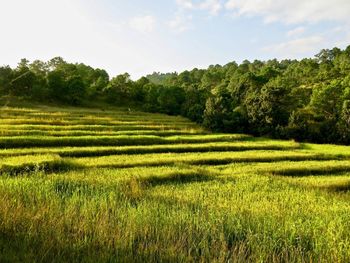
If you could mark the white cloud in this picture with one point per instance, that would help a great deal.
(293, 12)
(297, 47)
(181, 23)
(186, 4)
(296, 31)
(303, 14)
(213, 6)
(143, 24)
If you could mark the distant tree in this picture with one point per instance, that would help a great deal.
(23, 79)
(305, 100)
(138, 92)
(213, 77)
(344, 123)
(162, 78)
(304, 125)
(76, 90)
(56, 63)
(221, 113)
(118, 89)
(194, 104)
(151, 99)
(99, 82)
(327, 99)
(170, 100)
(40, 87)
(6, 75)
(57, 85)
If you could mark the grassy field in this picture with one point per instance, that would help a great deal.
(85, 185)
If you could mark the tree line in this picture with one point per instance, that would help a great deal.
(307, 100)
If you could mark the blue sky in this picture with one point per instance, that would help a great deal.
(140, 37)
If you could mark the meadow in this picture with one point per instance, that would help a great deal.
(112, 185)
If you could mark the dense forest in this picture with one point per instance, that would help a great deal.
(307, 100)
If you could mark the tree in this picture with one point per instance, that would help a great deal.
(6, 75)
(151, 99)
(327, 99)
(306, 99)
(344, 123)
(303, 126)
(118, 89)
(56, 63)
(138, 92)
(219, 114)
(40, 87)
(194, 105)
(23, 79)
(170, 100)
(76, 90)
(57, 85)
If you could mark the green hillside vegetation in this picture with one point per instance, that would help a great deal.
(120, 185)
(305, 100)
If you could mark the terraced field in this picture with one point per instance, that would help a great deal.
(84, 185)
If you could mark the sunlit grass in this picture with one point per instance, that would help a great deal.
(84, 192)
(167, 148)
(67, 133)
(118, 140)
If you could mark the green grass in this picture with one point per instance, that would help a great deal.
(167, 148)
(92, 185)
(93, 127)
(60, 133)
(25, 164)
(119, 140)
(208, 158)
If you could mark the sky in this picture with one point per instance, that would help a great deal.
(145, 36)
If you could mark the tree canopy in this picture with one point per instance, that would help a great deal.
(305, 100)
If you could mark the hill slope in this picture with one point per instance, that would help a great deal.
(97, 186)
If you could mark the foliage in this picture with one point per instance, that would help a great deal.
(305, 99)
(54, 80)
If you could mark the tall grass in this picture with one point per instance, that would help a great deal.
(93, 127)
(66, 132)
(147, 196)
(167, 148)
(119, 140)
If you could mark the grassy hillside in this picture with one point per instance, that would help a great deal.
(85, 185)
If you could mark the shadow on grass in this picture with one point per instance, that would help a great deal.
(177, 178)
(137, 190)
(18, 248)
(45, 167)
(119, 140)
(341, 188)
(221, 161)
(64, 165)
(199, 149)
(304, 171)
(268, 159)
